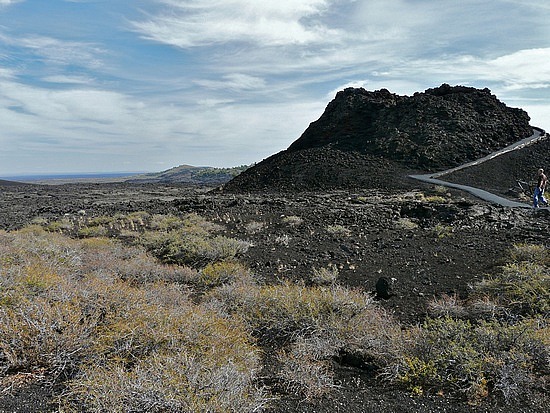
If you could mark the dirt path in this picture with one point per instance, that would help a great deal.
(477, 192)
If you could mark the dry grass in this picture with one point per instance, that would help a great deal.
(338, 230)
(120, 341)
(121, 331)
(293, 220)
(325, 276)
(320, 322)
(494, 343)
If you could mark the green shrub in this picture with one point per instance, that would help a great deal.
(443, 231)
(435, 199)
(94, 231)
(537, 254)
(156, 358)
(475, 359)
(523, 287)
(179, 247)
(338, 230)
(165, 223)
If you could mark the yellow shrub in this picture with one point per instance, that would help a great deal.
(218, 273)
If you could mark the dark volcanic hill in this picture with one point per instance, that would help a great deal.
(372, 139)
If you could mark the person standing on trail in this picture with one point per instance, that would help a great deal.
(539, 189)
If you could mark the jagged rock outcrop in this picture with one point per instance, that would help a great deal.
(370, 139)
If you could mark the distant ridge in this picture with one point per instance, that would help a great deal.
(373, 139)
(197, 175)
(4, 182)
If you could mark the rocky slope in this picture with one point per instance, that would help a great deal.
(363, 134)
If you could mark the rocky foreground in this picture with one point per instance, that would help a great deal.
(426, 241)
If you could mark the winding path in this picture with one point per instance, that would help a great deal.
(537, 135)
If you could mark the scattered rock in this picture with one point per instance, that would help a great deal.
(384, 288)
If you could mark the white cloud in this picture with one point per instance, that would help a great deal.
(9, 2)
(535, 4)
(69, 79)
(60, 52)
(6, 73)
(87, 122)
(211, 102)
(191, 23)
(235, 81)
(522, 69)
(538, 111)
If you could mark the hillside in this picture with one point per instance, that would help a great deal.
(197, 175)
(4, 182)
(365, 139)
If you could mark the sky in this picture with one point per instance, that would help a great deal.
(95, 86)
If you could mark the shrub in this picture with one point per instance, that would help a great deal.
(328, 321)
(63, 225)
(443, 231)
(536, 254)
(156, 358)
(283, 240)
(92, 231)
(435, 199)
(446, 306)
(338, 230)
(406, 223)
(325, 276)
(193, 248)
(40, 333)
(170, 383)
(523, 287)
(165, 223)
(475, 359)
(483, 308)
(219, 273)
(254, 226)
(67, 309)
(293, 220)
(304, 374)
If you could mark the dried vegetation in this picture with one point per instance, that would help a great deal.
(155, 313)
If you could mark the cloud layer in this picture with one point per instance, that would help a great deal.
(147, 85)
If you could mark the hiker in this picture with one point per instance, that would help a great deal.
(538, 196)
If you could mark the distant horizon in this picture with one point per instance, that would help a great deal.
(93, 174)
(69, 175)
